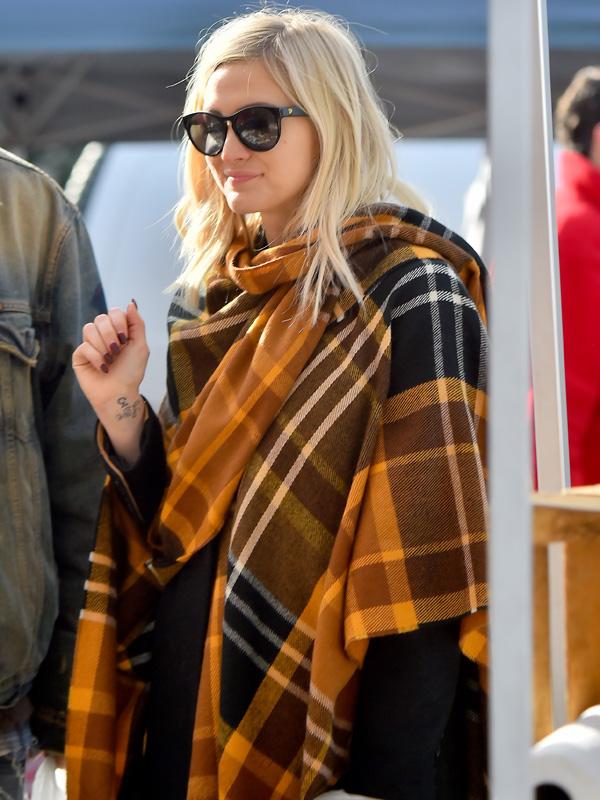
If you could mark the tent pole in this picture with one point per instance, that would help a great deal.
(510, 95)
(547, 356)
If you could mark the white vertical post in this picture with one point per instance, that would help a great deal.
(510, 71)
(547, 355)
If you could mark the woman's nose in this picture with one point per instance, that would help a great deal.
(233, 148)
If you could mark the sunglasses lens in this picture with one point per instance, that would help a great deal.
(207, 133)
(258, 128)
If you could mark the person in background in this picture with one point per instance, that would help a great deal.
(578, 216)
(50, 475)
(277, 600)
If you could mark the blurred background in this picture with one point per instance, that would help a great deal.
(91, 92)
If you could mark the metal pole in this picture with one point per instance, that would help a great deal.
(547, 355)
(510, 71)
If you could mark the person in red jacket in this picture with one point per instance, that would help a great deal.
(578, 218)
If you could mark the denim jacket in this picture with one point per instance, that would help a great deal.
(50, 474)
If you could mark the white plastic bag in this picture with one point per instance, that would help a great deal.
(49, 782)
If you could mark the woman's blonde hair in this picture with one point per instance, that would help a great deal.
(318, 63)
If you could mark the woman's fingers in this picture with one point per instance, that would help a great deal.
(119, 323)
(115, 341)
(108, 333)
(92, 335)
(86, 354)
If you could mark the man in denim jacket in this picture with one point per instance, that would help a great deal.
(50, 476)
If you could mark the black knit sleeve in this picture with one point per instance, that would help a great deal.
(407, 690)
(146, 480)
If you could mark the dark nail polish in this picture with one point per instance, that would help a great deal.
(115, 348)
(122, 338)
(134, 303)
(108, 358)
(103, 367)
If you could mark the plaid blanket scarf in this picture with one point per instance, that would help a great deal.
(341, 465)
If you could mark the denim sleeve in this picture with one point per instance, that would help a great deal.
(73, 467)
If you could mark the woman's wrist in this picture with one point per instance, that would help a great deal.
(123, 418)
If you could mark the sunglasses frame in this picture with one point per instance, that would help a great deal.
(285, 111)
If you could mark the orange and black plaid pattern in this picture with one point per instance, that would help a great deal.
(342, 467)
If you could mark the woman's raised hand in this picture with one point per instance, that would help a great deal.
(109, 365)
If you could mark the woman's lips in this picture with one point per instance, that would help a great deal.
(238, 179)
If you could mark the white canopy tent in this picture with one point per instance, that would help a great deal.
(72, 71)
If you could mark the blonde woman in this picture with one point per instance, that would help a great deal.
(276, 594)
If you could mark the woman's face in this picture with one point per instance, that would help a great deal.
(270, 182)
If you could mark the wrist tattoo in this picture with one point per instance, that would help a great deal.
(128, 410)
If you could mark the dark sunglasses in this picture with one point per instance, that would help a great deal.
(257, 127)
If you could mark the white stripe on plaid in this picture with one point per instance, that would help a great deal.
(267, 632)
(263, 665)
(275, 604)
(451, 448)
(311, 444)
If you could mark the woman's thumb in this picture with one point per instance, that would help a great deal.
(135, 322)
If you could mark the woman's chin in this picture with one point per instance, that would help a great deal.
(241, 205)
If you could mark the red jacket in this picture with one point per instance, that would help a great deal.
(578, 216)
